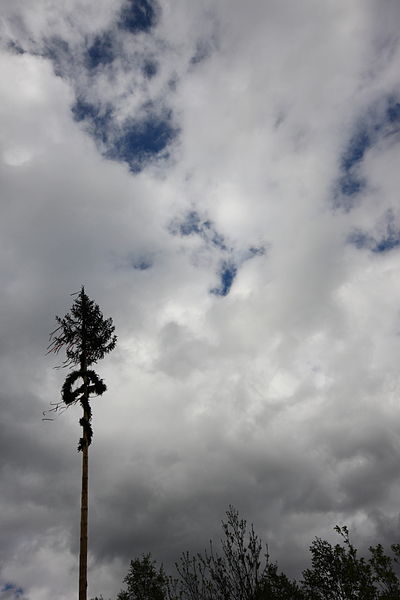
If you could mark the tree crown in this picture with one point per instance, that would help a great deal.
(84, 332)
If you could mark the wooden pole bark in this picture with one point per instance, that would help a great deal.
(83, 547)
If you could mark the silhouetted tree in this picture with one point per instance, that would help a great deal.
(240, 571)
(86, 337)
(386, 571)
(338, 573)
(145, 581)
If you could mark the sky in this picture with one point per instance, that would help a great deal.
(223, 177)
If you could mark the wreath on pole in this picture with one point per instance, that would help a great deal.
(93, 386)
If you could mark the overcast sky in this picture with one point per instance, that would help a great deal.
(223, 177)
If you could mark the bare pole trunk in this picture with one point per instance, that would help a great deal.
(83, 547)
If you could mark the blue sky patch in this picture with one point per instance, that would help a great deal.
(142, 140)
(393, 111)
(391, 237)
(139, 141)
(150, 68)
(356, 149)
(360, 239)
(58, 51)
(350, 183)
(388, 240)
(136, 141)
(138, 16)
(203, 51)
(100, 52)
(14, 47)
(97, 119)
(363, 240)
(227, 275)
(387, 243)
(205, 228)
(377, 122)
(191, 224)
(142, 264)
(10, 587)
(217, 239)
(257, 250)
(194, 224)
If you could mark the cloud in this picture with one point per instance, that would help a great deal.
(224, 181)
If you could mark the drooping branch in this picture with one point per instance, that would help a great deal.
(56, 407)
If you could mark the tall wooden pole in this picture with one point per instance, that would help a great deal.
(87, 337)
(83, 547)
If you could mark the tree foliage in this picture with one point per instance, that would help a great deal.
(241, 570)
(144, 581)
(339, 573)
(83, 333)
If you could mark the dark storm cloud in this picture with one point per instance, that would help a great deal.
(151, 512)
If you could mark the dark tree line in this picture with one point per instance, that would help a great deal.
(241, 569)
